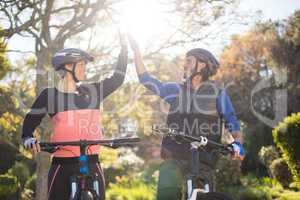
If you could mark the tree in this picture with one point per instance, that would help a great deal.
(286, 53)
(241, 64)
(4, 64)
(37, 19)
(4, 68)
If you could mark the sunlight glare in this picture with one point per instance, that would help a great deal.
(143, 19)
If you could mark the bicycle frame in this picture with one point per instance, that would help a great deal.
(191, 191)
(78, 181)
(196, 143)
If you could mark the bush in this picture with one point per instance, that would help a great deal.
(287, 138)
(267, 155)
(8, 185)
(111, 173)
(280, 171)
(31, 183)
(247, 193)
(128, 189)
(228, 172)
(7, 156)
(21, 171)
(294, 186)
(250, 180)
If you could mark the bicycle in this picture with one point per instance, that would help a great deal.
(79, 188)
(197, 188)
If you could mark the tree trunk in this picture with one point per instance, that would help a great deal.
(43, 159)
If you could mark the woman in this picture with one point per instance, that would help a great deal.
(74, 111)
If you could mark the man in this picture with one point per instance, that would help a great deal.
(197, 107)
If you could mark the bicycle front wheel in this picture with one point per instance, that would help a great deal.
(213, 196)
(87, 195)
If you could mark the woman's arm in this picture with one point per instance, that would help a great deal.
(34, 117)
(32, 121)
(109, 85)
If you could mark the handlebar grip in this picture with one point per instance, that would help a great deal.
(49, 149)
(118, 145)
(229, 150)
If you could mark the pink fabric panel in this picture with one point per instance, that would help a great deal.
(75, 125)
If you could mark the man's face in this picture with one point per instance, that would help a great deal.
(190, 64)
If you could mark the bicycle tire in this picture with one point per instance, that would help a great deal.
(213, 196)
(87, 195)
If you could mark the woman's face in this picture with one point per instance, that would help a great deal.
(79, 69)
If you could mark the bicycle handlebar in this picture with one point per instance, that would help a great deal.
(111, 143)
(200, 141)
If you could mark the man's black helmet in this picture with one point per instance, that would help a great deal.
(70, 55)
(204, 56)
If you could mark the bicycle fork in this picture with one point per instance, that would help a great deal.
(77, 186)
(192, 191)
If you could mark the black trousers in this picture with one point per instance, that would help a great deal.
(59, 177)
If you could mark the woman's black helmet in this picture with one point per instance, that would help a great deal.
(70, 55)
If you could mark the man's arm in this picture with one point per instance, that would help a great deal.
(164, 90)
(225, 108)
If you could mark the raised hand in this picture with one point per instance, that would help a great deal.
(123, 41)
(133, 44)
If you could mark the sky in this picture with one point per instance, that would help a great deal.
(274, 10)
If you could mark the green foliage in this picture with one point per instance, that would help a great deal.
(295, 186)
(119, 162)
(268, 154)
(250, 180)
(287, 138)
(150, 174)
(130, 189)
(254, 139)
(8, 185)
(27, 194)
(6, 100)
(250, 193)
(30, 186)
(292, 34)
(252, 188)
(4, 64)
(21, 171)
(286, 52)
(228, 173)
(7, 156)
(280, 171)
(111, 174)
